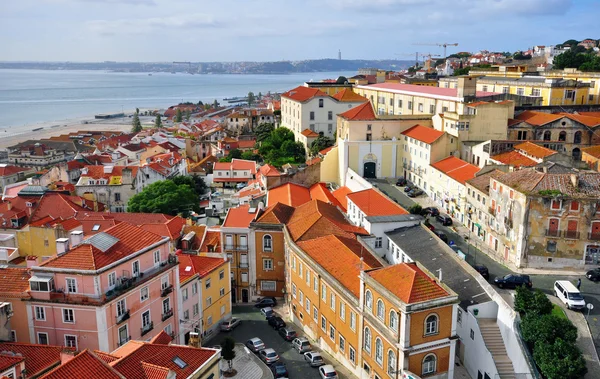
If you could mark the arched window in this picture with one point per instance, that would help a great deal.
(380, 309)
(431, 324)
(391, 360)
(368, 300)
(429, 363)
(577, 137)
(562, 136)
(267, 243)
(379, 351)
(547, 135)
(367, 343)
(394, 320)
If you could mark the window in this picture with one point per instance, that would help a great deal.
(420, 107)
(307, 305)
(331, 332)
(209, 320)
(135, 269)
(221, 274)
(71, 285)
(391, 359)
(368, 300)
(184, 294)
(505, 89)
(432, 109)
(555, 204)
(164, 282)
(323, 292)
(222, 310)
(353, 321)
(244, 277)
(294, 290)
(429, 364)
(323, 323)
(194, 288)
(431, 325)
(520, 91)
(352, 354)
(268, 264)
(378, 242)
(399, 103)
(300, 272)
(156, 257)
(342, 310)
(144, 294)
(332, 301)
(330, 115)
(307, 276)
(394, 321)
(459, 317)
(207, 283)
(208, 301)
(294, 263)
(186, 315)
(117, 196)
(380, 309)
(68, 315)
(121, 307)
(42, 338)
(112, 280)
(267, 243)
(321, 103)
(522, 135)
(379, 351)
(301, 297)
(367, 342)
(329, 128)
(195, 309)
(268, 285)
(166, 305)
(410, 105)
(40, 313)
(315, 313)
(570, 94)
(574, 206)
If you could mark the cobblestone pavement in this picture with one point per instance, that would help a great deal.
(247, 365)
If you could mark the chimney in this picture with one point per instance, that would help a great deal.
(575, 180)
(76, 237)
(108, 169)
(126, 177)
(66, 355)
(32, 261)
(62, 246)
(84, 171)
(466, 88)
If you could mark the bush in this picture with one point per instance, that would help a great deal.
(560, 360)
(547, 329)
(532, 302)
(415, 209)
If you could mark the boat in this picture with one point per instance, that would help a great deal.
(149, 74)
(36, 129)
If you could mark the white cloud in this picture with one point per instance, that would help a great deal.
(152, 24)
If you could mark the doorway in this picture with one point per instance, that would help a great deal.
(369, 170)
(233, 296)
(244, 295)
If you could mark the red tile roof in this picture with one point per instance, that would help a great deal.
(422, 90)
(38, 358)
(56, 205)
(211, 242)
(423, 134)
(162, 338)
(97, 172)
(6, 170)
(85, 364)
(514, 158)
(340, 257)
(374, 203)
(276, 214)
(289, 194)
(190, 265)
(457, 169)
(341, 194)
(347, 95)
(14, 283)
(8, 361)
(326, 150)
(409, 283)
(363, 112)
(239, 217)
(309, 133)
(303, 94)
(594, 151)
(319, 191)
(541, 118)
(236, 164)
(534, 150)
(269, 170)
(155, 372)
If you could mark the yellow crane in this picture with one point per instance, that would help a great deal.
(444, 45)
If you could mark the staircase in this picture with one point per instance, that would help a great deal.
(495, 344)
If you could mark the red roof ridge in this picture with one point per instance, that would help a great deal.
(423, 133)
(362, 112)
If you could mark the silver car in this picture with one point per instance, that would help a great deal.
(255, 344)
(328, 372)
(315, 359)
(268, 355)
(301, 344)
(229, 325)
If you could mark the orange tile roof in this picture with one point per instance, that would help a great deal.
(97, 172)
(313, 161)
(289, 194)
(409, 283)
(590, 120)
(514, 158)
(56, 205)
(162, 338)
(457, 169)
(534, 150)
(347, 95)
(319, 191)
(38, 358)
(190, 265)
(246, 144)
(541, 118)
(239, 217)
(85, 364)
(309, 133)
(276, 214)
(8, 361)
(10, 170)
(211, 241)
(326, 150)
(269, 170)
(594, 151)
(341, 257)
(106, 357)
(423, 134)
(341, 194)
(87, 257)
(14, 283)
(374, 203)
(155, 372)
(236, 164)
(303, 94)
(363, 112)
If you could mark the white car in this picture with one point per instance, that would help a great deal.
(301, 344)
(268, 355)
(255, 344)
(315, 359)
(327, 372)
(267, 311)
(569, 294)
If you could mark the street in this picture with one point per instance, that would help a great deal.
(590, 290)
(254, 325)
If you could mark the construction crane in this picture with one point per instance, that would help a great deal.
(416, 56)
(444, 45)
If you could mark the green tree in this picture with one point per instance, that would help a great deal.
(461, 71)
(188, 114)
(263, 131)
(545, 329)
(560, 360)
(570, 42)
(531, 302)
(568, 59)
(251, 98)
(200, 103)
(215, 104)
(165, 197)
(158, 122)
(320, 143)
(235, 153)
(228, 351)
(250, 156)
(137, 110)
(259, 95)
(194, 181)
(277, 112)
(136, 125)
(178, 115)
(415, 209)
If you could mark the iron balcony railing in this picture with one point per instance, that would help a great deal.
(123, 317)
(167, 314)
(147, 328)
(165, 291)
(552, 233)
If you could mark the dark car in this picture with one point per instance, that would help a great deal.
(432, 211)
(279, 370)
(441, 235)
(401, 181)
(593, 275)
(513, 281)
(444, 219)
(429, 226)
(483, 270)
(408, 188)
(288, 334)
(266, 302)
(415, 192)
(276, 322)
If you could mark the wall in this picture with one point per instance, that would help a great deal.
(277, 255)
(355, 182)
(306, 177)
(220, 306)
(329, 166)
(474, 354)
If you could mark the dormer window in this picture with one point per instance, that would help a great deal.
(41, 284)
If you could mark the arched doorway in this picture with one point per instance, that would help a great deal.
(547, 135)
(577, 137)
(576, 154)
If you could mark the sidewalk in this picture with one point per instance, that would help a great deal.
(247, 365)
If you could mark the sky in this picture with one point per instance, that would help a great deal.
(274, 30)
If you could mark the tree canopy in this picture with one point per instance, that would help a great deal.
(228, 351)
(263, 131)
(560, 360)
(578, 60)
(165, 196)
(136, 125)
(280, 148)
(178, 115)
(195, 182)
(251, 98)
(320, 143)
(158, 122)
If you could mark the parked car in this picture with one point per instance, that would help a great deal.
(569, 294)
(279, 370)
(432, 211)
(401, 181)
(408, 187)
(441, 235)
(268, 355)
(240, 185)
(415, 192)
(276, 322)
(593, 275)
(288, 334)
(314, 358)
(301, 344)
(444, 219)
(229, 325)
(255, 344)
(430, 227)
(513, 281)
(483, 270)
(267, 312)
(457, 250)
(266, 302)
(327, 372)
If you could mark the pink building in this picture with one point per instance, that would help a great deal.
(116, 285)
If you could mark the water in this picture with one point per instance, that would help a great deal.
(33, 96)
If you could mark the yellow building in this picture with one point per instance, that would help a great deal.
(330, 87)
(591, 78)
(39, 238)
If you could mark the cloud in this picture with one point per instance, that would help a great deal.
(153, 24)
(127, 2)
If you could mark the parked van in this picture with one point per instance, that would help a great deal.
(569, 294)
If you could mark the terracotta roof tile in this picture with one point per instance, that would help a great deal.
(56, 205)
(211, 241)
(239, 217)
(303, 94)
(319, 191)
(236, 164)
(83, 365)
(423, 134)
(522, 180)
(374, 203)
(514, 158)
(289, 194)
(163, 338)
(309, 133)
(534, 150)
(6, 170)
(277, 213)
(106, 357)
(482, 182)
(38, 358)
(190, 265)
(347, 95)
(594, 151)
(363, 112)
(269, 170)
(457, 169)
(409, 283)
(155, 372)
(341, 194)
(8, 361)
(326, 150)
(14, 283)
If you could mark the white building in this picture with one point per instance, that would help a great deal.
(235, 172)
(111, 185)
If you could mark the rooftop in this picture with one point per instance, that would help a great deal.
(482, 182)
(594, 151)
(347, 95)
(423, 134)
(456, 168)
(14, 282)
(277, 213)
(373, 203)
(302, 94)
(425, 91)
(85, 364)
(239, 217)
(363, 112)
(190, 265)
(534, 150)
(236, 164)
(309, 133)
(289, 194)
(514, 158)
(38, 358)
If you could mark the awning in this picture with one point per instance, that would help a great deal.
(477, 225)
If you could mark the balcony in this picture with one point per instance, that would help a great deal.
(122, 317)
(492, 211)
(167, 290)
(508, 222)
(552, 233)
(145, 329)
(243, 264)
(594, 236)
(124, 341)
(167, 314)
(236, 247)
(571, 234)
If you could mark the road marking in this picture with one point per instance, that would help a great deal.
(481, 294)
(466, 280)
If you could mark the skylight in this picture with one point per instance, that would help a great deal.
(179, 362)
(96, 227)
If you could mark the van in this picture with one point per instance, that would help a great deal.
(569, 294)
